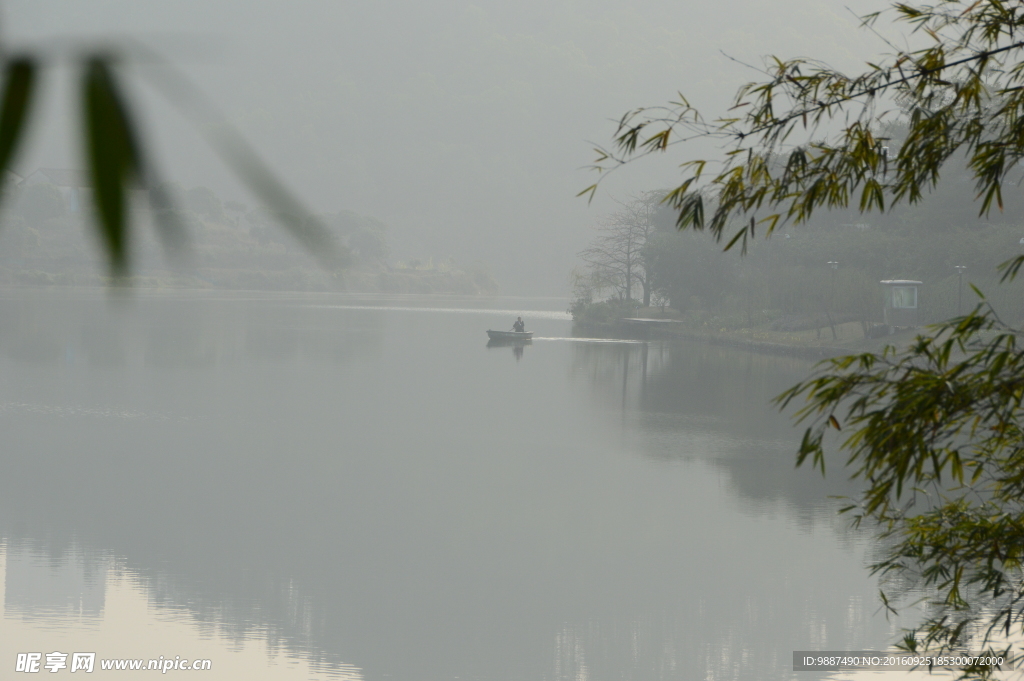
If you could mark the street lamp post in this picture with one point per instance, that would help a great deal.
(834, 264)
(959, 287)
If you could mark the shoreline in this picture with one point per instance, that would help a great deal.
(760, 340)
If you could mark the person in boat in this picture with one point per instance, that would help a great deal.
(519, 326)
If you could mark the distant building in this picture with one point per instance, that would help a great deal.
(74, 185)
(900, 297)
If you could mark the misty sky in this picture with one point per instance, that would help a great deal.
(464, 126)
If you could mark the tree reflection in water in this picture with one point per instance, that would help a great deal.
(373, 488)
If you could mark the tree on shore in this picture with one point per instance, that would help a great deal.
(621, 254)
(936, 431)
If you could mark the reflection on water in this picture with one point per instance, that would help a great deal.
(516, 345)
(128, 626)
(370, 492)
(721, 399)
(55, 585)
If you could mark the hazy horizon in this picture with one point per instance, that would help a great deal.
(465, 127)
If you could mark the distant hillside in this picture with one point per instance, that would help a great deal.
(45, 241)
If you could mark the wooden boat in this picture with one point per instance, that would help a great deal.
(509, 335)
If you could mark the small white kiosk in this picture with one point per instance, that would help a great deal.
(900, 302)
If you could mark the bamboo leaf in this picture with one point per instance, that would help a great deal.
(19, 87)
(170, 228)
(287, 209)
(250, 169)
(111, 155)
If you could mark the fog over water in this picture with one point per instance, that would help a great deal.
(353, 487)
(356, 486)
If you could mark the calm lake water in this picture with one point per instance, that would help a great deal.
(317, 487)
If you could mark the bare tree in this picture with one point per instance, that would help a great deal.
(619, 256)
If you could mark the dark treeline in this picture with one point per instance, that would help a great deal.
(789, 280)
